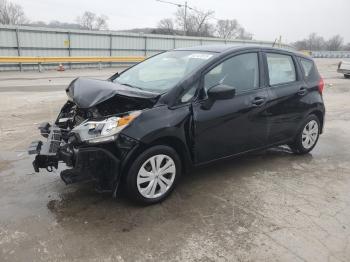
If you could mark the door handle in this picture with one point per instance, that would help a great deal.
(302, 91)
(258, 101)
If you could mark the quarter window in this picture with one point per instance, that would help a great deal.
(240, 72)
(281, 68)
(307, 66)
(188, 94)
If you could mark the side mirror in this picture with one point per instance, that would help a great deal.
(221, 92)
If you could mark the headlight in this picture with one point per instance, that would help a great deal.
(94, 132)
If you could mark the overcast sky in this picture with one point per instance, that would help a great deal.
(266, 19)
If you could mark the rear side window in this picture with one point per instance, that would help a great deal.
(308, 67)
(281, 68)
(240, 72)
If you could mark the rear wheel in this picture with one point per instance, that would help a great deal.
(307, 137)
(347, 76)
(153, 175)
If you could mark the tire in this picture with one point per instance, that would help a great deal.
(307, 138)
(145, 182)
(346, 76)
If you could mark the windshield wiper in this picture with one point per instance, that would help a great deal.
(132, 86)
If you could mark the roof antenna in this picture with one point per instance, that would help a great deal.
(279, 42)
(273, 45)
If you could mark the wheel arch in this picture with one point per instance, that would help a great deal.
(316, 112)
(320, 117)
(171, 141)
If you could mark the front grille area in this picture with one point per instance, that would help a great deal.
(54, 140)
(54, 147)
(56, 135)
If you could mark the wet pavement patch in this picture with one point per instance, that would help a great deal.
(266, 206)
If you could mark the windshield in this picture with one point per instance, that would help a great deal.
(162, 72)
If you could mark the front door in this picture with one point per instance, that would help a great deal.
(234, 125)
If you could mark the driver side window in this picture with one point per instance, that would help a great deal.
(240, 72)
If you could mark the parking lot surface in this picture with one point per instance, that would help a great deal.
(266, 206)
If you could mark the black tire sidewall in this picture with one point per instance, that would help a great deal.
(298, 145)
(131, 178)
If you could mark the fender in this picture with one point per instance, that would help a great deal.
(171, 127)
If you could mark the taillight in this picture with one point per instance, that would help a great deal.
(321, 86)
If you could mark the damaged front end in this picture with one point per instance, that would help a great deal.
(86, 135)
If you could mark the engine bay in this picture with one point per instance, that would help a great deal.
(71, 115)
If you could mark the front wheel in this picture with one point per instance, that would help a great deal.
(346, 76)
(308, 136)
(153, 175)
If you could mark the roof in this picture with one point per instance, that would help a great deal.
(211, 48)
(223, 48)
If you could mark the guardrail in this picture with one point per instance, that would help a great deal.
(71, 59)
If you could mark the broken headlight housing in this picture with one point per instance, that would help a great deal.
(107, 130)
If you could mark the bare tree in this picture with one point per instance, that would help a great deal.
(243, 34)
(166, 26)
(101, 22)
(91, 21)
(231, 29)
(201, 25)
(207, 30)
(227, 29)
(87, 20)
(346, 47)
(301, 44)
(335, 43)
(11, 14)
(315, 42)
(195, 22)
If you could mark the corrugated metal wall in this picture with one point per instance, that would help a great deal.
(33, 41)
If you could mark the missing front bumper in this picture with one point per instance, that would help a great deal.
(87, 163)
(94, 163)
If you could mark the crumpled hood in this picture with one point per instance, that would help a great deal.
(87, 92)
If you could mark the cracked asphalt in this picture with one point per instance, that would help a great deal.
(266, 206)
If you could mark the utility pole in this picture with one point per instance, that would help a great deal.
(185, 20)
(179, 5)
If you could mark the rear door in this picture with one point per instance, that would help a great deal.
(234, 125)
(286, 89)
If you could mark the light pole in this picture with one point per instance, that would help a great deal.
(185, 19)
(179, 5)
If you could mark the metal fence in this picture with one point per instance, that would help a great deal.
(42, 42)
(330, 54)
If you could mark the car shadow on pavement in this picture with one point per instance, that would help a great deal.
(196, 193)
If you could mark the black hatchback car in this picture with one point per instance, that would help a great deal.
(143, 128)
